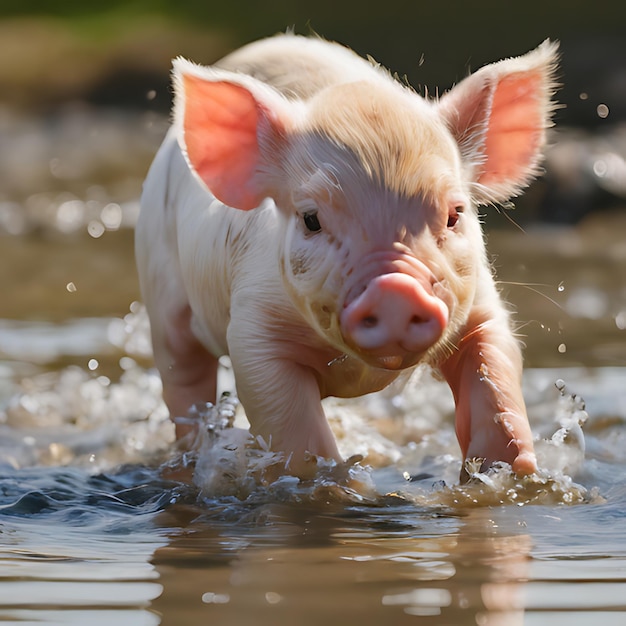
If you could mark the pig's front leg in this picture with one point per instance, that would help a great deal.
(188, 371)
(281, 397)
(484, 374)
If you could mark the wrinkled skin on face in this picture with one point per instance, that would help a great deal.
(388, 271)
(367, 259)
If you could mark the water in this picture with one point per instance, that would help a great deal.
(103, 519)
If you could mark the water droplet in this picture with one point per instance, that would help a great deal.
(272, 597)
(339, 359)
(215, 598)
(69, 215)
(602, 111)
(93, 364)
(71, 287)
(127, 363)
(561, 286)
(600, 168)
(225, 362)
(111, 216)
(583, 96)
(398, 401)
(95, 229)
(620, 320)
(562, 348)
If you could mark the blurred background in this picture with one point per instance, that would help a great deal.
(84, 102)
(113, 53)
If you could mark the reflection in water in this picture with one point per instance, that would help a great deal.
(97, 550)
(373, 568)
(320, 568)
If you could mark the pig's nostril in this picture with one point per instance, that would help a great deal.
(373, 321)
(369, 321)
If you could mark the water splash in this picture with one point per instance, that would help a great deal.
(400, 443)
(226, 461)
(75, 417)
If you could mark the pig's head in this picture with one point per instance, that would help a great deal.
(378, 189)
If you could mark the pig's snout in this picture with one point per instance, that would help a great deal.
(394, 321)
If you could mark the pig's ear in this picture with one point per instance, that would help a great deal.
(230, 126)
(499, 117)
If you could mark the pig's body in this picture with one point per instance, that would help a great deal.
(210, 260)
(368, 258)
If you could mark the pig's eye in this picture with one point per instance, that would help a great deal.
(311, 222)
(453, 215)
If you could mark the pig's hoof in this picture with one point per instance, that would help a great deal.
(525, 464)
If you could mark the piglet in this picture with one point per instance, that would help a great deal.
(317, 221)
